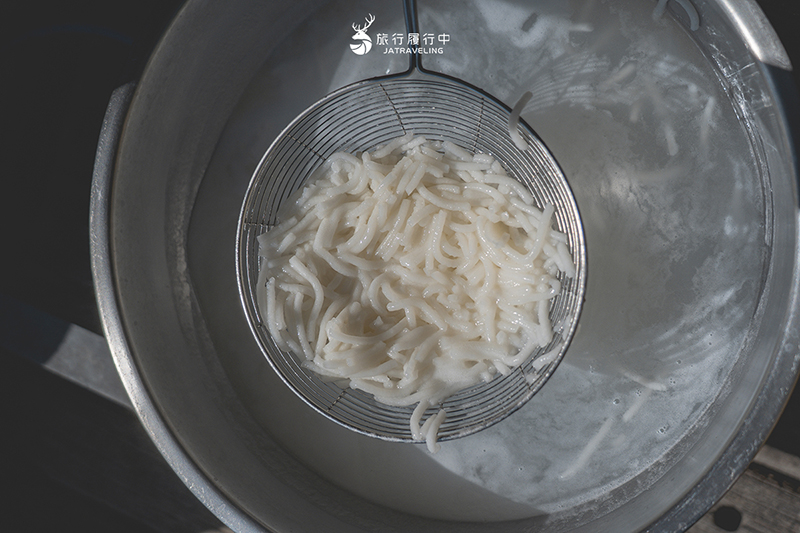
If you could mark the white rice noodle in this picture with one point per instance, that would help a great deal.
(706, 119)
(688, 7)
(658, 11)
(412, 272)
(694, 18)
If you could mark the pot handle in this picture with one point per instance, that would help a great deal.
(110, 133)
(99, 244)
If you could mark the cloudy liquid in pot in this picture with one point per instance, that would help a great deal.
(672, 207)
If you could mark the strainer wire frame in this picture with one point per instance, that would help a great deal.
(399, 104)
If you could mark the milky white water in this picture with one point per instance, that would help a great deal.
(672, 208)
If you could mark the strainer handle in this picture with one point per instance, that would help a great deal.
(412, 26)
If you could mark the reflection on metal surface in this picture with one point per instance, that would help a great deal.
(692, 267)
(757, 32)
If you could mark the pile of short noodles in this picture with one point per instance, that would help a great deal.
(413, 271)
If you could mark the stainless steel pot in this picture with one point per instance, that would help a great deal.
(677, 140)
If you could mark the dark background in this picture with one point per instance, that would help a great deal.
(70, 459)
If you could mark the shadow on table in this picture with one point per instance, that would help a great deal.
(74, 459)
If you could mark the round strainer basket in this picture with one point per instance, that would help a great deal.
(361, 117)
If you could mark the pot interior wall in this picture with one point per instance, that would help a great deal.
(673, 143)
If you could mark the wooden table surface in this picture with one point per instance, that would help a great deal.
(766, 498)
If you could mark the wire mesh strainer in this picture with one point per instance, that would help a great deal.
(360, 117)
